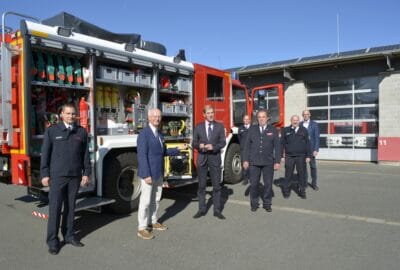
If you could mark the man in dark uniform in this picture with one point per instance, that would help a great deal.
(297, 152)
(242, 134)
(313, 133)
(262, 154)
(65, 164)
(208, 140)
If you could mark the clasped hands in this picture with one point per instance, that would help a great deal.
(206, 147)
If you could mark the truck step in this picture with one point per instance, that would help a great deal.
(81, 204)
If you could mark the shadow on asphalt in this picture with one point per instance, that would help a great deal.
(183, 196)
(89, 222)
(293, 185)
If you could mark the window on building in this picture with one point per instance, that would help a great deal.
(347, 112)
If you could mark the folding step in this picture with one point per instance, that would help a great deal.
(86, 203)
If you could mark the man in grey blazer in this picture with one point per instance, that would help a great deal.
(208, 140)
(313, 133)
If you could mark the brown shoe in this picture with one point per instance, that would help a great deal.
(145, 234)
(158, 227)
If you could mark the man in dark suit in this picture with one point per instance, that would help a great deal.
(208, 140)
(297, 152)
(242, 134)
(150, 152)
(262, 155)
(313, 133)
(65, 164)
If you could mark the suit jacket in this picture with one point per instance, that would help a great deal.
(262, 149)
(64, 152)
(313, 133)
(151, 152)
(217, 140)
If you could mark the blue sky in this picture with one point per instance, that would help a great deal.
(233, 33)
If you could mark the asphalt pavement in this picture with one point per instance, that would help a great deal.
(352, 222)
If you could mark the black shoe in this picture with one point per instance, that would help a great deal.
(314, 187)
(285, 193)
(268, 209)
(303, 195)
(75, 243)
(253, 209)
(199, 214)
(54, 250)
(219, 215)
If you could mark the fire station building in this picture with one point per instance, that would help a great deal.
(353, 95)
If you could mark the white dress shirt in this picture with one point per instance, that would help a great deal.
(306, 124)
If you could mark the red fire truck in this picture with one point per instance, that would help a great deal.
(113, 80)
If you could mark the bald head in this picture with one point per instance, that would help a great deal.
(246, 119)
(294, 121)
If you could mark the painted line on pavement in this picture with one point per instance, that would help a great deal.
(325, 214)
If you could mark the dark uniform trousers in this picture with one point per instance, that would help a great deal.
(245, 173)
(242, 139)
(292, 162)
(63, 191)
(215, 174)
(267, 172)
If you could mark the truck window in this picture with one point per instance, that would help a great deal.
(267, 99)
(215, 88)
(239, 105)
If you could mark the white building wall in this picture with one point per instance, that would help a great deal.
(389, 105)
(295, 100)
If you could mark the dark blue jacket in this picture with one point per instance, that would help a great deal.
(242, 134)
(262, 149)
(64, 152)
(295, 144)
(151, 154)
(313, 133)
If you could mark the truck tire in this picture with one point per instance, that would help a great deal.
(233, 165)
(122, 183)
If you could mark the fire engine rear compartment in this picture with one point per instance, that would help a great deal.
(112, 85)
(112, 93)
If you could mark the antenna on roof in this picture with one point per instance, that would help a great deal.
(337, 32)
